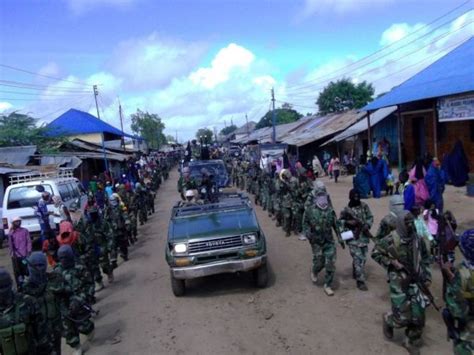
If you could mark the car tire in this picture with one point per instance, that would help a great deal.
(178, 286)
(260, 276)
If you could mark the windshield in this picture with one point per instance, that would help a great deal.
(216, 169)
(231, 222)
(25, 196)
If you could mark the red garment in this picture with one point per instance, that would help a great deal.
(50, 258)
(67, 235)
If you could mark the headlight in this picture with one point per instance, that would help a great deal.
(180, 248)
(250, 239)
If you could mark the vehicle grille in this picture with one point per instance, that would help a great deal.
(215, 244)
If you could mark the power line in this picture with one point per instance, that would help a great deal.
(69, 105)
(36, 93)
(30, 86)
(317, 81)
(398, 59)
(42, 75)
(30, 99)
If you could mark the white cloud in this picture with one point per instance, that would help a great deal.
(50, 69)
(398, 31)
(230, 58)
(79, 7)
(153, 61)
(5, 106)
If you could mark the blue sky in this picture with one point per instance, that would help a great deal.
(201, 62)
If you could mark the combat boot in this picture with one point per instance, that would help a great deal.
(314, 277)
(412, 348)
(99, 286)
(77, 350)
(328, 290)
(362, 286)
(387, 329)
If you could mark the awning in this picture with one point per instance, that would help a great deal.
(362, 125)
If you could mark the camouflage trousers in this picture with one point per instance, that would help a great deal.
(105, 258)
(359, 257)
(142, 212)
(91, 261)
(297, 219)
(408, 310)
(73, 329)
(324, 257)
(286, 214)
(463, 348)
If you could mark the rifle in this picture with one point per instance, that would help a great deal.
(360, 225)
(414, 278)
(338, 231)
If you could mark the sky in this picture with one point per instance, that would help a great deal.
(207, 63)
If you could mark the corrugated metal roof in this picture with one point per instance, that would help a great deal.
(19, 156)
(449, 75)
(317, 128)
(362, 125)
(79, 122)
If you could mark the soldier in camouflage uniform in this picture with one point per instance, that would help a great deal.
(150, 199)
(276, 200)
(301, 189)
(116, 217)
(128, 200)
(75, 309)
(47, 289)
(405, 257)
(319, 219)
(358, 218)
(459, 296)
(142, 203)
(286, 200)
(20, 321)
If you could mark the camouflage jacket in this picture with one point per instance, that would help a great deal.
(460, 299)
(79, 282)
(318, 224)
(414, 255)
(23, 312)
(364, 215)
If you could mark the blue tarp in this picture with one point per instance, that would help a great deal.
(449, 75)
(79, 122)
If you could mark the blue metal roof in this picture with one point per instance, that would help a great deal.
(79, 122)
(449, 75)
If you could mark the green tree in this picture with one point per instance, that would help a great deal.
(150, 127)
(283, 115)
(204, 134)
(229, 129)
(344, 95)
(18, 129)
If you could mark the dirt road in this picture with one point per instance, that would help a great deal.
(226, 315)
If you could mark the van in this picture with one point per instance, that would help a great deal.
(22, 196)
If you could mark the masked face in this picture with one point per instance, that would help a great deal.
(37, 266)
(114, 202)
(321, 201)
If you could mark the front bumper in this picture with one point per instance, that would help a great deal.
(220, 267)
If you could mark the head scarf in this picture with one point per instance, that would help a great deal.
(405, 226)
(37, 266)
(66, 256)
(354, 198)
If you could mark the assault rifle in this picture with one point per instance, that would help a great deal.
(414, 277)
(360, 226)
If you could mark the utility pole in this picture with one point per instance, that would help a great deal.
(176, 136)
(106, 163)
(273, 118)
(121, 125)
(96, 93)
(247, 124)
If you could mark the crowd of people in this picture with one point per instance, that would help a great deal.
(416, 233)
(57, 276)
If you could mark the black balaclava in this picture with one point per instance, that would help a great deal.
(6, 290)
(37, 266)
(354, 198)
(66, 256)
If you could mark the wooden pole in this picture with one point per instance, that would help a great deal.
(435, 129)
(399, 140)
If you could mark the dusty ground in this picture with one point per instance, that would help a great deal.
(226, 315)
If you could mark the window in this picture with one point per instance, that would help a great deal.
(73, 190)
(25, 196)
(64, 192)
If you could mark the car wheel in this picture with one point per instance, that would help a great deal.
(178, 286)
(260, 276)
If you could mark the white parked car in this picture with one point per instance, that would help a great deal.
(24, 192)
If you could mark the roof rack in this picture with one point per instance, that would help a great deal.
(62, 173)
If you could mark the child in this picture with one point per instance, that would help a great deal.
(390, 181)
(421, 228)
(431, 217)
